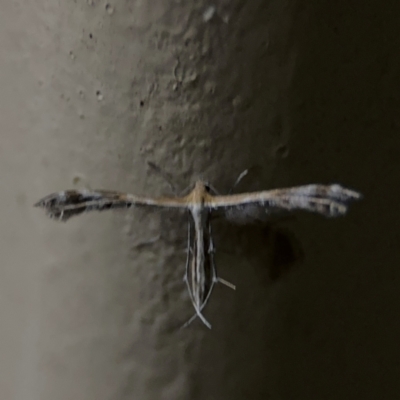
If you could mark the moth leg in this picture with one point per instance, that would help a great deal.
(239, 178)
(188, 252)
(215, 192)
(211, 252)
(226, 283)
(197, 315)
(186, 280)
(193, 317)
(214, 279)
(187, 266)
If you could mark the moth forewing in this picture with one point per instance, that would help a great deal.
(66, 204)
(328, 200)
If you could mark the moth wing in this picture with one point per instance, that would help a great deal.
(66, 204)
(327, 200)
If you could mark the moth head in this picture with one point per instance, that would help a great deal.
(202, 186)
(208, 187)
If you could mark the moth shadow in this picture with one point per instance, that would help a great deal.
(271, 247)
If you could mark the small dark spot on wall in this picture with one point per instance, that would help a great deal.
(76, 180)
(282, 151)
(141, 103)
(91, 36)
(109, 9)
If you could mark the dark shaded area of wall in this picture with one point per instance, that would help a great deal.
(330, 328)
(336, 328)
(301, 92)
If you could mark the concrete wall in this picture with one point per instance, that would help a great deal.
(302, 92)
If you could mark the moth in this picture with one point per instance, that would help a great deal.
(201, 203)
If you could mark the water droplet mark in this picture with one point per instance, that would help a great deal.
(77, 179)
(109, 9)
(237, 101)
(208, 13)
(282, 151)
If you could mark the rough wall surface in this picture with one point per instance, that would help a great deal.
(92, 91)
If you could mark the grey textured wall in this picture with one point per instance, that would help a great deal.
(304, 92)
